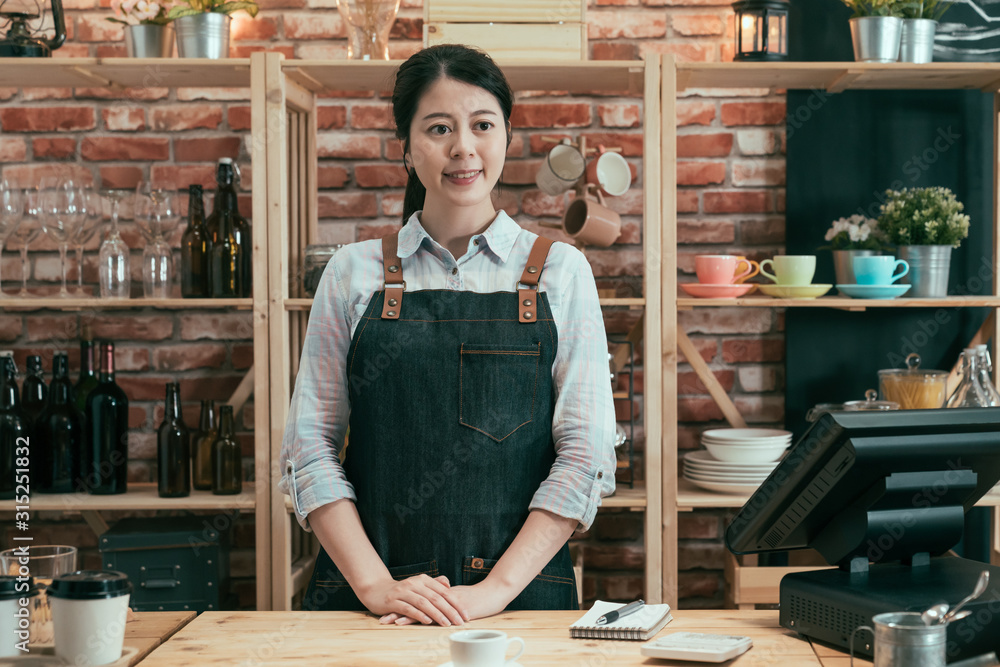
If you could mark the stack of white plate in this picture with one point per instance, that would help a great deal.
(738, 460)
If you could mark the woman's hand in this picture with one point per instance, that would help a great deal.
(480, 600)
(421, 598)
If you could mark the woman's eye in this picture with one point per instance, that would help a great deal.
(484, 125)
(439, 130)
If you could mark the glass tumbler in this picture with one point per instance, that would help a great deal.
(43, 563)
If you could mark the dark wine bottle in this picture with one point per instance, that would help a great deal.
(59, 434)
(194, 248)
(33, 390)
(173, 448)
(15, 441)
(105, 454)
(88, 369)
(227, 262)
(227, 472)
(201, 447)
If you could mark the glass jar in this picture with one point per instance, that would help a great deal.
(317, 257)
(912, 388)
(969, 393)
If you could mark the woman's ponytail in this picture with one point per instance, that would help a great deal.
(413, 200)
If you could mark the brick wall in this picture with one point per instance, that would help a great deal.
(730, 198)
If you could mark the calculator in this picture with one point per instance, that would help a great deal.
(696, 647)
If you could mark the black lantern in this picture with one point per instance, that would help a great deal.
(19, 40)
(761, 30)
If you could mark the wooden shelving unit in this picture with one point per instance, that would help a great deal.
(678, 494)
(290, 90)
(117, 75)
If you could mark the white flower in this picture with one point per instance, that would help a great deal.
(145, 10)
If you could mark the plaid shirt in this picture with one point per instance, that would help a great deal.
(583, 425)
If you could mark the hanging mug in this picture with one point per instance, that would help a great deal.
(610, 172)
(562, 168)
(589, 221)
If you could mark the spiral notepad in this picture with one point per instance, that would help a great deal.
(641, 625)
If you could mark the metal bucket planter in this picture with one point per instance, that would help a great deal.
(929, 266)
(917, 41)
(149, 41)
(876, 38)
(203, 35)
(843, 264)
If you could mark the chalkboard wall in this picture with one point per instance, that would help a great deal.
(844, 151)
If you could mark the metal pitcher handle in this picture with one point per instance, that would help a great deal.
(850, 643)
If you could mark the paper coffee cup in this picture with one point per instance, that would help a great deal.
(89, 612)
(18, 596)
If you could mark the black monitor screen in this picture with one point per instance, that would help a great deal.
(876, 485)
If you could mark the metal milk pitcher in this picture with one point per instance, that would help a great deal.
(902, 639)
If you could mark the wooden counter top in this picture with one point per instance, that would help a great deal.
(355, 639)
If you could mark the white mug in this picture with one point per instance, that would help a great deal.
(482, 648)
(561, 169)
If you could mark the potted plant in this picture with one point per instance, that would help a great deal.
(876, 28)
(920, 19)
(148, 33)
(849, 238)
(203, 26)
(925, 224)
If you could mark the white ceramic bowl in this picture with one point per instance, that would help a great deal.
(744, 434)
(746, 453)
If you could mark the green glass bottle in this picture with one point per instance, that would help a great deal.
(201, 447)
(227, 473)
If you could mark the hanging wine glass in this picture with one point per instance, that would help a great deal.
(93, 216)
(62, 214)
(157, 214)
(26, 231)
(11, 207)
(113, 257)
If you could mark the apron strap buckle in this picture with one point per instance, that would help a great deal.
(527, 299)
(392, 274)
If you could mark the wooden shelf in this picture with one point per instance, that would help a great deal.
(138, 497)
(124, 72)
(838, 76)
(845, 303)
(306, 304)
(586, 76)
(90, 303)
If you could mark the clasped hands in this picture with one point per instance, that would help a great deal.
(432, 600)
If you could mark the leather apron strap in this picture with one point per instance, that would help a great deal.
(527, 297)
(392, 275)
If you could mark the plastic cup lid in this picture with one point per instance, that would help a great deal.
(14, 587)
(90, 585)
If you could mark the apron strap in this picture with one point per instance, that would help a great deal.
(527, 298)
(392, 275)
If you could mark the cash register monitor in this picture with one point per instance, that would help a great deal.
(876, 494)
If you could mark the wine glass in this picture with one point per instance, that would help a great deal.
(92, 218)
(62, 214)
(113, 256)
(157, 214)
(11, 206)
(26, 231)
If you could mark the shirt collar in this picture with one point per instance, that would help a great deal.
(499, 236)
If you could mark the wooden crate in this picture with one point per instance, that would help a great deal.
(515, 30)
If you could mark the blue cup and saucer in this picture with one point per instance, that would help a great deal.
(876, 275)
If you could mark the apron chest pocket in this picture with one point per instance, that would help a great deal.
(497, 386)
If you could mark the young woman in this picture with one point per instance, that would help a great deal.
(469, 359)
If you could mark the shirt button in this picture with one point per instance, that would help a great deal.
(600, 475)
(454, 271)
(475, 241)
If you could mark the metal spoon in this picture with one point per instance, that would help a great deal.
(984, 580)
(934, 614)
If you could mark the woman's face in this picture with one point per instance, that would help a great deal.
(458, 139)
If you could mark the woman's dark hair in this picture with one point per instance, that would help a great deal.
(416, 75)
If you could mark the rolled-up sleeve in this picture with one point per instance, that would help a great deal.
(311, 472)
(583, 425)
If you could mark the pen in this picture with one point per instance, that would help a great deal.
(613, 616)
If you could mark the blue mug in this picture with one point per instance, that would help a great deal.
(878, 269)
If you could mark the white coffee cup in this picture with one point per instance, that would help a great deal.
(610, 172)
(561, 169)
(482, 648)
(89, 613)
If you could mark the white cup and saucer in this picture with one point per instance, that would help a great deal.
(483, 648)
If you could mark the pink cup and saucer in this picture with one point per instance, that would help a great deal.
(718, 277)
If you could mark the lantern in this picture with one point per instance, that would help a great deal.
(761, 30)
(20, 40)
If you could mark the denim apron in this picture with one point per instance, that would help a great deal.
(451, 433)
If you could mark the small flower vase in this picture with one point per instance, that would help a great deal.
(204, 35)
(369, 23)
(876, 38)
(843, 264)
(149, 41)
(929, 265)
